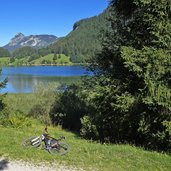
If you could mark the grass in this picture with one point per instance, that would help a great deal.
(83, 154)
(49, 59)
(21, 61)
(21, 102)
(4, 61)
(61, 59)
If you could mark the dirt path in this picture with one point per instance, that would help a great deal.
(11, 165)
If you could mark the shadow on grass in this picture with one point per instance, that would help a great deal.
(3, 164)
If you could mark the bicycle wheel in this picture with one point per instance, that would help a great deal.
(32, 142)
(62, 148)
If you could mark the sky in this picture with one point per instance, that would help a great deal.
(55, 17)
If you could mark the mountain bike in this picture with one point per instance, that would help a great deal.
(52, 145)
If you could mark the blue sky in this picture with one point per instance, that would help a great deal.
(44, 16)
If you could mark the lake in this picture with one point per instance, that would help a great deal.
(26, 78)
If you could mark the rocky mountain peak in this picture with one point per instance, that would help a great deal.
(36, 41)
(17, 38)
(19, 35)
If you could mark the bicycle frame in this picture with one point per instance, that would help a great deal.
(54, 146)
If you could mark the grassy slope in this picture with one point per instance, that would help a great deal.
(21, 61)
(4, 61)
(83, 153)
(62, 60)
(48, 59)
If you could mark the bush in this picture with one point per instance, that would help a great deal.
(15, 120)
(68, 109)
(88, 130)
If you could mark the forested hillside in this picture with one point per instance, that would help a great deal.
(84, 41)
(4, 52)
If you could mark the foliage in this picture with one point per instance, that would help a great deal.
(4, 61)
(2, 96)
(130, 93)
(60, 59)
(18, 120)
(3, 112)
(25, 51)
(4, 53)
(68, 108)
(88, 130)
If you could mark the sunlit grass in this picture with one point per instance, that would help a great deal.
(83, 154)
(4, 61)
(60, 59)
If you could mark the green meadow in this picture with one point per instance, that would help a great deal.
(83, 154)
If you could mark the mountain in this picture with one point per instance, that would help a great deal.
(36, 41)
(84, 40)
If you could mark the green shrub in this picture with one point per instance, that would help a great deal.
(15, 120)
(88, 130)
(37, 110)
(68, 109)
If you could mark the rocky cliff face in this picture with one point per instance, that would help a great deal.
(36, 41)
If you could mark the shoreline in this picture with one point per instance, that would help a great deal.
(76, 64)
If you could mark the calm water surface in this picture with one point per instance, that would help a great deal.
(25, 79)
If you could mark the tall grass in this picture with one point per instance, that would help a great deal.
(37, 104)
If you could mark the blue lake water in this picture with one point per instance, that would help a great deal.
(25, 79)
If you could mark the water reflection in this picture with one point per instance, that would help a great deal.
(27, 83)
(25, 79)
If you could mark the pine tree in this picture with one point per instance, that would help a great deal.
(131, 93)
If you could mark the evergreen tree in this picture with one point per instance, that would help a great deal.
(55, 57)
(131, 92)
(25, 51)
(2, 96)
(4, 52)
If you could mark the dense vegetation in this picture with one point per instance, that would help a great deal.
(25, 51)
(129, 98)
(4, 53)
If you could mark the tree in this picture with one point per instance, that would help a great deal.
(131, 90)
(4, 52)
(12, 60)
(3, 114)
(68, 108)
(55, 57)
(25, 51)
